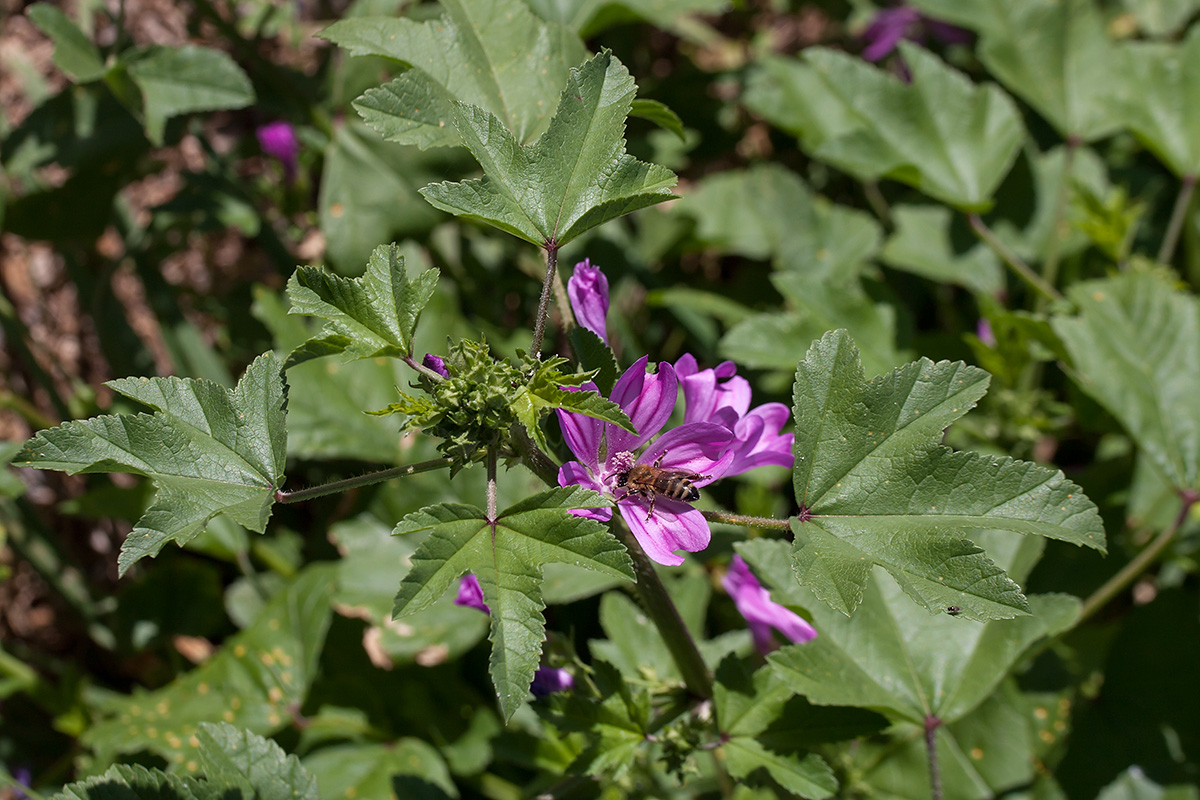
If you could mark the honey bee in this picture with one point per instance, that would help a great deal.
(651, 481)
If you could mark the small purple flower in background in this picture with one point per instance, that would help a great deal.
(588, 290)
(983, 330)
(23, 776)
(605, 452)
(890, 25)
(762, 614)
(435, 363)
(278, 140)
(470, 594)
(548, 680)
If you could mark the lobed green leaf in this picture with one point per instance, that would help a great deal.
(1135, 347)
(876, 487)
(940, 134)
(179, 80)
(573, 178)
(209, 451)
(493, 54)
(370, 316)
(506, 557)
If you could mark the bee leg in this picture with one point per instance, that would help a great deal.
(650, 513)
(658, 461)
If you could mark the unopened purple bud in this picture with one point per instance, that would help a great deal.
(588, 290)
(470, 594)
(278, 140)
(435, 363)
(548, 680)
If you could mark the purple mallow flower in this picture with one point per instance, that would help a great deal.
(761, 613)
(548, 680)
(278, 140)
(720, 435)
(588, 290)
(606, 452)
(890, 25)
(470, 594)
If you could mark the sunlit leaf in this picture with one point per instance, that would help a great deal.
(575, 177)
(1056, 56)
(1160, 102)
(876, 487)
(370, 316)
(506, 558)
(209, 450)
(892, 656)
(74, 53)
(493, 54)
(940, 134)
(922, 244)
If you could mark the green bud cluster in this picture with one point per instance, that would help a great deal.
(471, 409)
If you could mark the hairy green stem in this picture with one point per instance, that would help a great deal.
(361, 480)
(649, 587)
(532, 457)
(1183, 202)
(747, 521)
(932, 723)
(659, 607)
(1022, 270)
(539, 328)
(491, 490)
(1141, 562)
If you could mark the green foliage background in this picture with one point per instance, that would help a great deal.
(998, 222)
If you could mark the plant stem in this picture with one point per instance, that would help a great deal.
(879, 204)
(361, 480)
(533, 458)
(491, 490)
(1023, 271)
(932, 723)
(421, 368)
(649, 587)
(1178, 215)
(747, 521)
(1050, 266)
(659, 607)
(1117, 583)
(539, 328)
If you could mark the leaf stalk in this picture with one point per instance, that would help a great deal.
(1183, 202)
(361, 480)
(1141, 562)
(1022, 270)
(747, 521)
(539, 329)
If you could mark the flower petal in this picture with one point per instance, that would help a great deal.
(675, 525)
(699, 447)
(573, 473)
(759, 442)
(588, 290)
(582, 433)
(754, 603)
(648, 399)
